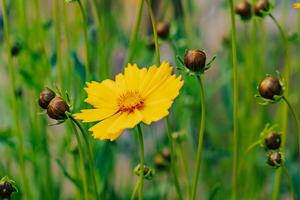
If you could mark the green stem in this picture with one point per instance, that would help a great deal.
(287, 73)
(14, 104)
(58, 45)
(153, 22)
(290, 180)
(86, 41)
(90, 155)
(137, 185)
(200, 142)
(173, 157)
(282, 34)
(132, 43)
(235, 102)
(142, 162)
(296, 118)
(82, 165)
(185, 169)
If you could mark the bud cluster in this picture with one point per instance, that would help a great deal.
(55, 105)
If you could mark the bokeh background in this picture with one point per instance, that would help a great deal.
(50, 152)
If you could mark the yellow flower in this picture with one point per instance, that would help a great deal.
(135, 96)
(297, 5)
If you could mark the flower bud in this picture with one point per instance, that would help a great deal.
(45, 97)
(243, 9)
(163, 29)
(148, 173)
(166, 154)
(274, 159)
(195, 60)
(57, 108)
(15, 49)
(260, 7)
(160, 163)
(269, 87)
(7, 187)
(273, 140)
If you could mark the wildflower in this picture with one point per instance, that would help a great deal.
(297, 5)
(261, 6)
(195, 59)
(7, 187)
(274, 159)
(45, 97)
(243, 9)
(270, 87)
(163, 29)
(137, 95)
(273, 140)
(57, 108)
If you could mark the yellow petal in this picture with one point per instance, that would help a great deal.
(104, 94)
(156, 111)
(297, 5)
(112, 127)
(93, 115)
(155, 77)
(158, 102)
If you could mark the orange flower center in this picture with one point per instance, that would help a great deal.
(130, 101)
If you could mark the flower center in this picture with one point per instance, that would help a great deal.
(130, 101)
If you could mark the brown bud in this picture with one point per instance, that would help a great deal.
(159, 162)
(57, 108)
(15, 49)
(6, 188)
(243, 9)
(163, 29)
(273, 140)
(274, 159)
(195, 59)
(260, 7)
(166, 154)
(45, 97)
(269, 87)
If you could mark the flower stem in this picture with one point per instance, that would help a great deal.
(290, 180)
(173, 164)
(153, 22)
(86, 41)
(132, 43)
(14, 104)
(296, 117)
(137, 185)
(141, 141)
(90, 155)
(58, 45)
(235, 102)
(200, 141)
(82, 165)
(287, 73)
(185, 169)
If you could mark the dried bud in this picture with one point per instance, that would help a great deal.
(160, 163)
(163, 29)
(274, 159)
(166, 154)
(269, 87)
(57, 108)
(7, 187)
(273, 141)
(15, 49)
(260, 7)
(148, 173)
(45, 97)
(243, 9)
(194, 60)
